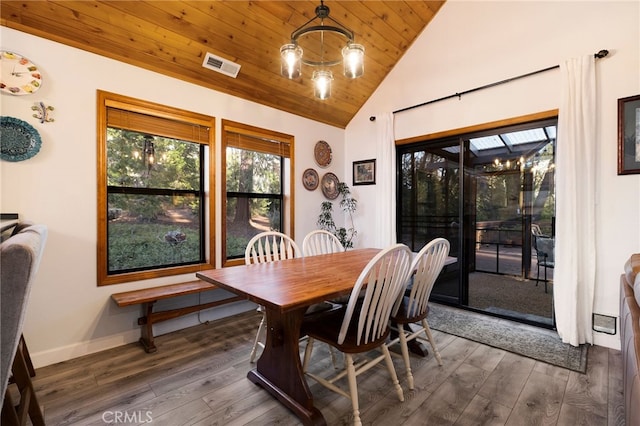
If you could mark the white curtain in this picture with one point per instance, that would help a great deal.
(575, 250)
(385, 181)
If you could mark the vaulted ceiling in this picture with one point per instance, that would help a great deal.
(174, 37)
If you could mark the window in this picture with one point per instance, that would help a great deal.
(154, 170)
(259, 192)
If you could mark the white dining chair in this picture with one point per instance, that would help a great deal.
(412, 307)
(321, 242)
(363, 325)
(273, 246)
(269, 246)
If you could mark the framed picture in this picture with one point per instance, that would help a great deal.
(629, 135)
(364, 172)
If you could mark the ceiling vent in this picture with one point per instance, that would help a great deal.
(221, 65)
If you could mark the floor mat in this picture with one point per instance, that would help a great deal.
(533, 342)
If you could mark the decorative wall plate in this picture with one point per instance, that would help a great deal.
(322, 153)
(329, 186)
(19, 76)
(310, 179)
(18, 139)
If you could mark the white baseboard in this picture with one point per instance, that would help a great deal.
(65, 353)
(76, 350)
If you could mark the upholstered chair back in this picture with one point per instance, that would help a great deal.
(19, 261)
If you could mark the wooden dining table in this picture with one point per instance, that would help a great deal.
(286, 289)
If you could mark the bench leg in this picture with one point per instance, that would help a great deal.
(147, 328)
(151, 318)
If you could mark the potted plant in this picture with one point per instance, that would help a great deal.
(348, 205)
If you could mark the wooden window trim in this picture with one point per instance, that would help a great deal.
(287, 143)
(107, 100)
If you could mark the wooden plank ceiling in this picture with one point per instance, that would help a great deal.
(173, 37)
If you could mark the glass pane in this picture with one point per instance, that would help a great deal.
(140, 160)
(525, 136)
(486, 142)
(253, 172)
(498, 227)
(430, 197)
(247, 217)
(149, 231)
(512, 194)
(543, 200)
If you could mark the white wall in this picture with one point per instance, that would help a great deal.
(68, 315)
(474, 43)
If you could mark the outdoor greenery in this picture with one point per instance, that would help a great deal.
(434, 187)
(496, 195)
(500, 187)
(151, 223)
(176, 163)
(254, 197)
(144, 245)
(348, 205)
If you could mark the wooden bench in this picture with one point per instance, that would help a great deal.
(149, 296)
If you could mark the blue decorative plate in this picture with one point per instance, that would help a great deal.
(19, 141)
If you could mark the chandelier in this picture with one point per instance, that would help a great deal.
(352, 54)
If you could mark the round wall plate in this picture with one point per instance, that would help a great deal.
(322, 153)
(18, 139)
(19, 76)
(329, 186)
(310, 179)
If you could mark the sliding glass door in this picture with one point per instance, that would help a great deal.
(492, 196)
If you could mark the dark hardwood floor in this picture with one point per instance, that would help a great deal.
(198, 377)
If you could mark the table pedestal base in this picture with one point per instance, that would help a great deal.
(308, 417)
(279, 369)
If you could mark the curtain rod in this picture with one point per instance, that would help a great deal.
(600, 54)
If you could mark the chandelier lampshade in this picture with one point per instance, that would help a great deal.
(353, 60)
(291, 59)
(322, 84)
(291, 54)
